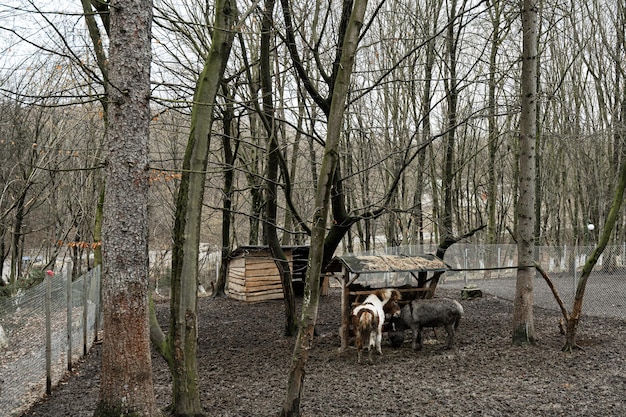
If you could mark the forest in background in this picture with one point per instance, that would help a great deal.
(431, 127)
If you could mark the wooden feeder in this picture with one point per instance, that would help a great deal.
(407, 274)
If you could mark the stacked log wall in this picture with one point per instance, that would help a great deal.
(254, 277)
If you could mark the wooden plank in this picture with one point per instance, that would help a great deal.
(258, 288)
(268, 272)
(268, 291)
(237, 263)
(239, 280)
(264, 297)
(260, 264)
(264, 278)
(237, 272)
(234, 287)
(240, 285)
(256, 284)
(345, 312)
(237, 296)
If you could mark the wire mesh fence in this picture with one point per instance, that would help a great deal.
(44, 329)
(493, 269)
(47, 327)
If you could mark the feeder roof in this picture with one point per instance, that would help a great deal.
(369, 264)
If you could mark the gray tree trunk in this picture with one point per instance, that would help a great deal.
(523, 319)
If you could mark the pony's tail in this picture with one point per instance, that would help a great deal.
(367, 320)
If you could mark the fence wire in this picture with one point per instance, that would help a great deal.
(25, 374)
(493, 268)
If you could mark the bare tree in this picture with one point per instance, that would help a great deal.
(180, 346)
(523, 322)
(126, 387)
(274, 160)
(291, 405)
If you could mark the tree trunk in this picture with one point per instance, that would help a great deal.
(16, 258)
(230, 157)
(291, 405)
(618, 199)
(271, 178)
(417, 232)
(97, 227)
(126, 376)
(187, 224)
(446, 223)
(102, 61)
(492, 187)
(523, 320)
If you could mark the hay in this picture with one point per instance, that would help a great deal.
(392, 263)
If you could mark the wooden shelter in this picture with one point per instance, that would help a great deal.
(253, 275)
(409, 274)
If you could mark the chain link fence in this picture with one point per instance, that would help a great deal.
(43, 330)
(493, 269)
(49, 326)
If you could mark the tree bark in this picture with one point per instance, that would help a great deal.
(271, 178)
(523, 319)
(126, 377)
(102, 10)
(291, 405)
(492, 187)
(230, 157)
(446, 223)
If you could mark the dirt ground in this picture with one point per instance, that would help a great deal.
(244, 360)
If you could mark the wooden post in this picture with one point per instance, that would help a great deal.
(325, 284)
(68, 293)
(48, 307)
(345, 310)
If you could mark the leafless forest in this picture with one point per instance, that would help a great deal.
(344, 126)
(397, 137)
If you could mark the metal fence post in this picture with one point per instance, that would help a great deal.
(98, 302)
(48, 308)
(466, 267)
(68, 290)
(86, 280)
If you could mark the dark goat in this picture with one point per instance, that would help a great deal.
(437, 312)
(395, 331)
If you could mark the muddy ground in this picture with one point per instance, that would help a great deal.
(244, 358)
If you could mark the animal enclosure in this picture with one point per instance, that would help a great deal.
(407, 274)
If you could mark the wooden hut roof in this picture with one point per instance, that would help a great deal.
(364, 264)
